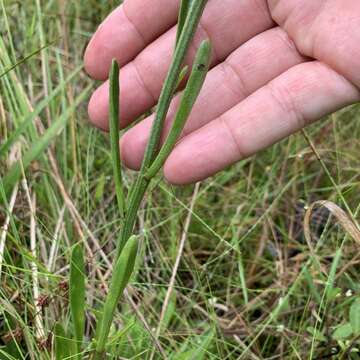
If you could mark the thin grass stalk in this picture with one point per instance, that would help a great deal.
(29, 119)
(332, 180)
(38, 147)
(27, 57)
(138, 190)
(5, 226)
(38, 319)
(183, 239)
(114, 117)
(13, 156)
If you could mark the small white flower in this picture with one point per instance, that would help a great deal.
(349, 293)
(280, 328)
(213, 301)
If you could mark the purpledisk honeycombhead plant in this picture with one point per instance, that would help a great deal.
(154, 158)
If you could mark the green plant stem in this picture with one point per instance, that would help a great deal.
(188, 99)
(138, 190)
(114, 116)
(170, 83)
(183, 13)
(127, 245)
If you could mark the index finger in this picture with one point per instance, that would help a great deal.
(126, 31)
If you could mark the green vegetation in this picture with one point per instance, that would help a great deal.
(127, 248)
(240, 266)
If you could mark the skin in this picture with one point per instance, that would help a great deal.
(277, 66)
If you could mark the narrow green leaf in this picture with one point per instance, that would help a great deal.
(114, 118)
(27, 57)
(191, 93)
(61, 343)
(343, 332)
(355, 317)
(183, 13)
(121, 274)
(42, 143)
(77, 294)
(190, 27)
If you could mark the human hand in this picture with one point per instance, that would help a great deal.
(277, 66)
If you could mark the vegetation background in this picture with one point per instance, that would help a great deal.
(225, 270)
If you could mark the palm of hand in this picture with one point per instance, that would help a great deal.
(277, 66)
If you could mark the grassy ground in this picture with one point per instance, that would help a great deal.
(248, 285)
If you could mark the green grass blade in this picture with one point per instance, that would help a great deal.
(122, 271)
(27, 57)
(191, 93)
(38, 147)
(61, 343)
(77, 294)
(39, 108)
(114, 116)
(7, 30)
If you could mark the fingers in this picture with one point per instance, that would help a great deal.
(139, 84)
(126, 31)
(301, 95)
(328, 31)
(142, 79)
(242, 73)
